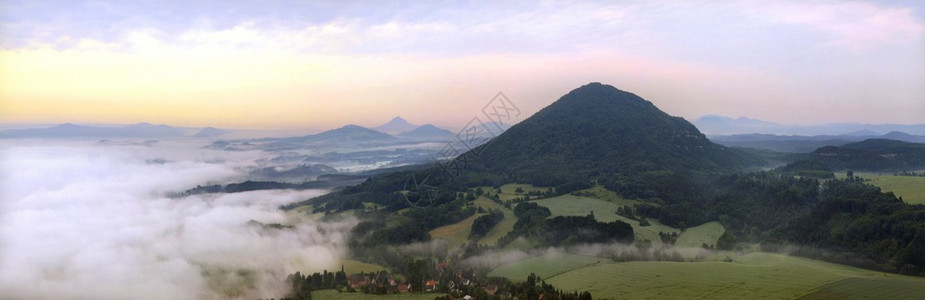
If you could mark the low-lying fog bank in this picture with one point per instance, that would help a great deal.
(91, 220)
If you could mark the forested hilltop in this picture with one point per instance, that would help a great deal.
(874, 155)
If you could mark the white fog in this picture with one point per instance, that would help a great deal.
(80, 219)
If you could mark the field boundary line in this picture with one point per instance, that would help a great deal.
(818, 288)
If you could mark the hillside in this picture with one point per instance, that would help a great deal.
(604, 166)
(875, 155)
(598, 131)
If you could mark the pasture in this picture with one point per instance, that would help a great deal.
(455, 234)
(750, 276)
(509, 191)
(502, 228)
(870, 288)
(910, 188)
(707, 233)
(606, 211)
(546, 266)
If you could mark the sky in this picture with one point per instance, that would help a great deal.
(323, 64)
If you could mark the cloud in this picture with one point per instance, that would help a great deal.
(853, 25)
(87, 221)
(273, 64)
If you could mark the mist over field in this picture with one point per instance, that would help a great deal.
(81, 219)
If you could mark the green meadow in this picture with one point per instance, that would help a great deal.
(546, 266)
(750, 276)
(605, 211)
(910, 188)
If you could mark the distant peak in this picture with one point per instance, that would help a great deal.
(396, 125)
(596, 85)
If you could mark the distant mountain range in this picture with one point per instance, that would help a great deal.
(805, 144)
(352, 134)
(721, 125)
(396, 129)
(140, 130)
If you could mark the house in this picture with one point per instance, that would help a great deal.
(404, 287)
(430, 285)
(442, 266)
(356, 280)
(491, 289)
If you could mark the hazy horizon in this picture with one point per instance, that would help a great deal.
(322, 65)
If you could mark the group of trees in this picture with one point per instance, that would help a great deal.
(858, 224)
(875, 155)
(749, 205)
(303, 284)
(533, 288)
(533, 223)
(485, 223)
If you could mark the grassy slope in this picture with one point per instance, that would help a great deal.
(509, 191)
(870, 288)
(502, 228)
(546, 266)
(752, 276)
(707, 233)
(605, 211)
(910, 188)
(455, 234)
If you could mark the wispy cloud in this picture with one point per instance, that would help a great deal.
(137, 58)
(852, 25)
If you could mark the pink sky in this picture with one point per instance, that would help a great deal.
(322, 65)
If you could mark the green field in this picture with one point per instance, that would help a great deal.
(502, 228)
(751, 276)
(599, 192)
(455, 234)
(910, 188)
(509, 191)
(546, 266)
(605, 211)
(707, 233)
(335, 295)
(870, 288)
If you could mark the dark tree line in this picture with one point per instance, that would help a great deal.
(533, 223)
(858, 224)
(303, 284)
(485, 223)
